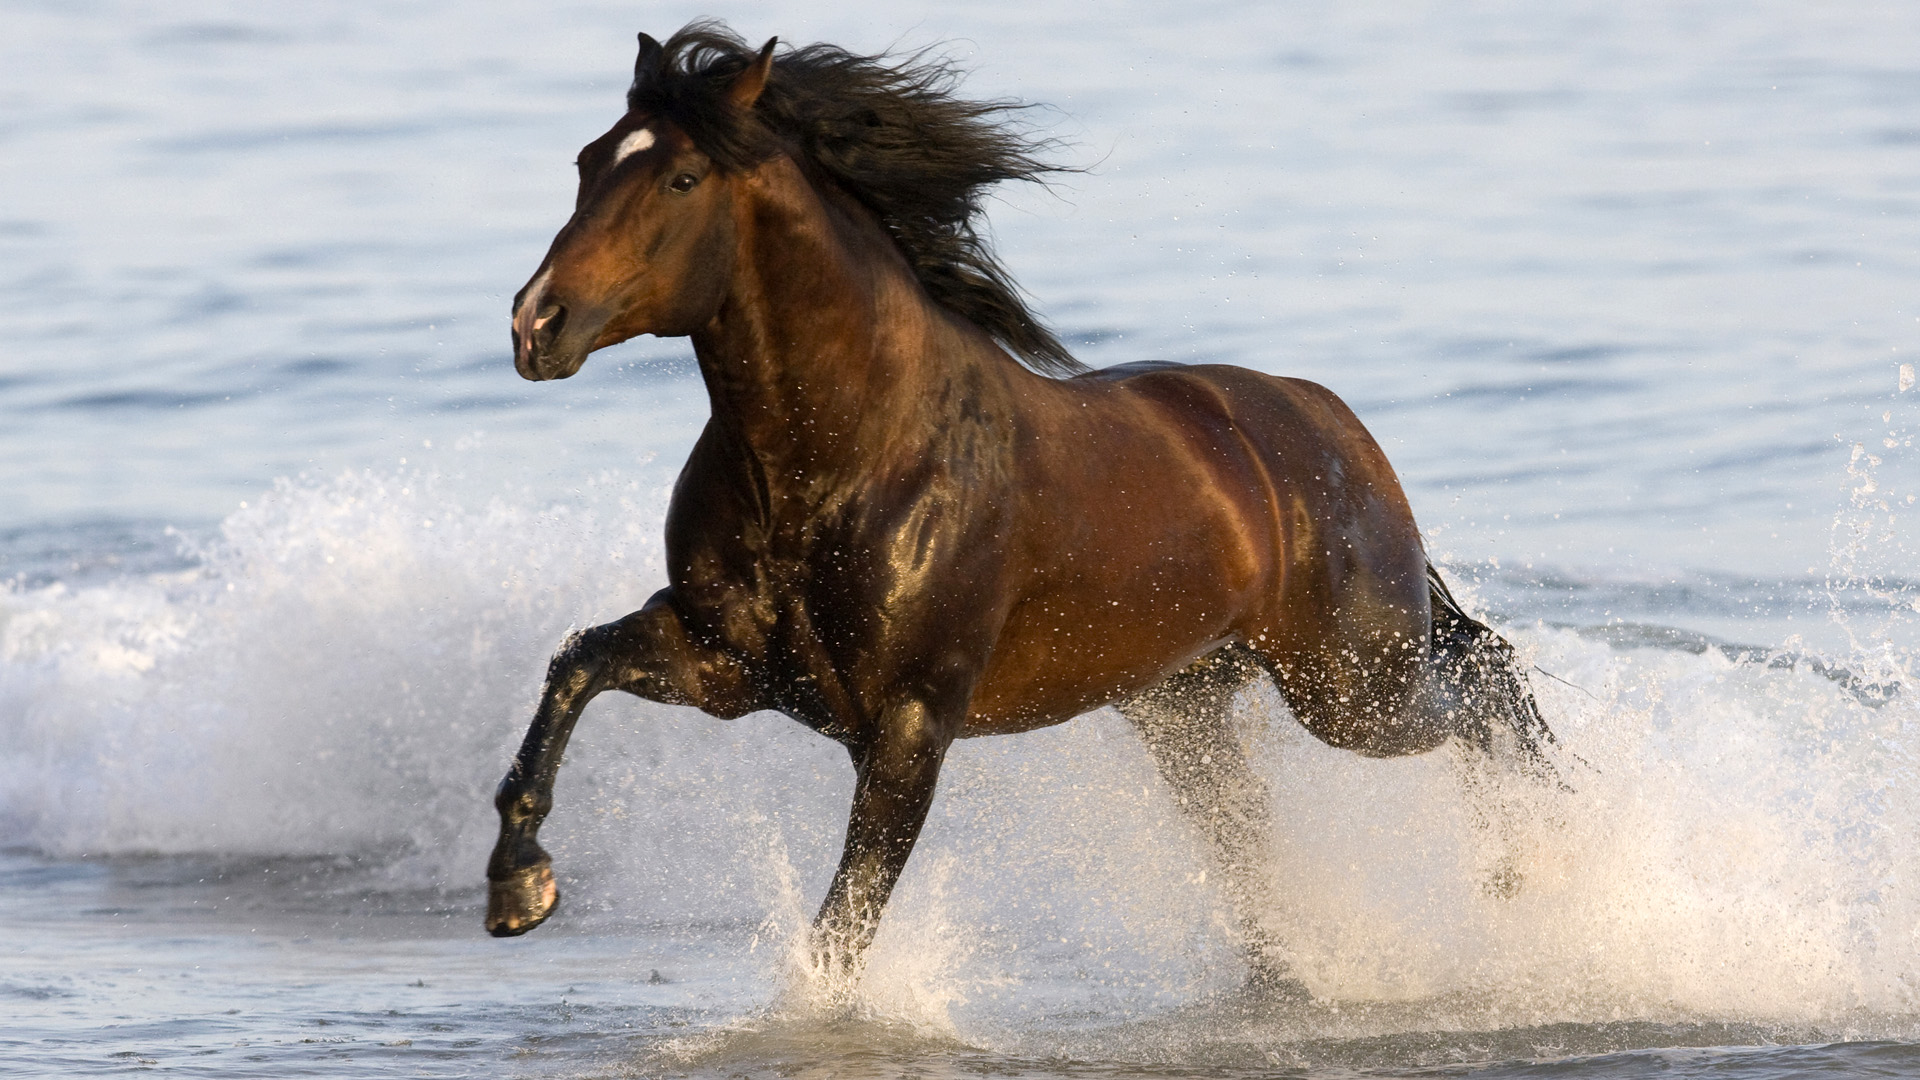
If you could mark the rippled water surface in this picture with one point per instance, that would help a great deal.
(1628, 292)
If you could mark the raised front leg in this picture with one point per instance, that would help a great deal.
(896, 775)
(649, 654)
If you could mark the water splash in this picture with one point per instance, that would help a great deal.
(347, 666)
(1872, 556)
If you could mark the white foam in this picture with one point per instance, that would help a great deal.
(354, 661)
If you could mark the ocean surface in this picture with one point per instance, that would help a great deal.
(1630, 292)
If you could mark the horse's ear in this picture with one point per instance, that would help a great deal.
(748, 84)
(648, 63)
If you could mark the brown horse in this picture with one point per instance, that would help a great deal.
(893, 532)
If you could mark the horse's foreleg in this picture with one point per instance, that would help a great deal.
(646, 653)
(1187, 724)
(896, 775)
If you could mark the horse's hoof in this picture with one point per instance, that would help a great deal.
(522, 901)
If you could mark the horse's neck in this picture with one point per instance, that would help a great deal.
(827, 349)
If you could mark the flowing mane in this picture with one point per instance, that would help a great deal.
(893, 135)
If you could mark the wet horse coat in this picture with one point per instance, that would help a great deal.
(895, 533)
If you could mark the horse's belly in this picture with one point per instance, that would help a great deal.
(1051, 665)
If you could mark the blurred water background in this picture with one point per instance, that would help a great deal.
(1629, 292)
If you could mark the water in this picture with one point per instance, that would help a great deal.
(1625, 290)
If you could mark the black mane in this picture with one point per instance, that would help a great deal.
(892, 134)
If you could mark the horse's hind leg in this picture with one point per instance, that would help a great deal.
(1187, 723)
(1475, 683)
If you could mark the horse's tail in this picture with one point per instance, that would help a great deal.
(1488, 689)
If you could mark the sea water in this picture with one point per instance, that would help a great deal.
(1626, 291)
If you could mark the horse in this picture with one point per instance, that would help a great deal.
(913, 517)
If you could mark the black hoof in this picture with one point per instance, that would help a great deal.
(522, 901)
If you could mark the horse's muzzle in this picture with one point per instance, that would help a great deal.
(537, 340)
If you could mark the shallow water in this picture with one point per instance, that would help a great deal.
(1627, 293)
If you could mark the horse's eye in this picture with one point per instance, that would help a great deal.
(684, 183)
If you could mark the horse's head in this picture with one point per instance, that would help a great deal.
(650, 246)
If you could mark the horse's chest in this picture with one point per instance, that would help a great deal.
(828, 618)
(765, 599)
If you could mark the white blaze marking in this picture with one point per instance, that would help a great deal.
(632, 144)
(530, 303)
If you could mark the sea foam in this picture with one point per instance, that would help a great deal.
(348, 665)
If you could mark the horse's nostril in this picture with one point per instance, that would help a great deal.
(547, 323)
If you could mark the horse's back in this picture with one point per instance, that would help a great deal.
(1130, 369)
(1329, 478)
(1306, 440)
(1250, 399)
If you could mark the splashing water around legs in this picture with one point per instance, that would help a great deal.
(1733, 858)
